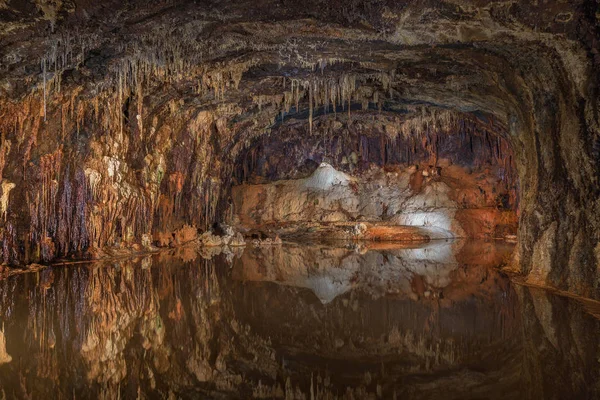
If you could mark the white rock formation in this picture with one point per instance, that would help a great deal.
(326, 177)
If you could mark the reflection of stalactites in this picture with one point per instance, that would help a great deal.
(118, 301)
(4, 356)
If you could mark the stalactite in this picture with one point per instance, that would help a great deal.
(4, 152)
(31, 139)
(45, 86)
(4, 356)
(310, 107)
(6, 188)
(10, 254)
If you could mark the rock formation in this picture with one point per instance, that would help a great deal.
(379, 205)
(123, 122)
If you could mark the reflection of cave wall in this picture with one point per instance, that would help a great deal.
(152, 326)
(557, 333)
(155, 326)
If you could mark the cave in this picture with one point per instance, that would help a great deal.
(328, 199)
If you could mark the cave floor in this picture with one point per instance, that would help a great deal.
(296, 321)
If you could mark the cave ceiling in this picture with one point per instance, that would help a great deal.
(472, 56)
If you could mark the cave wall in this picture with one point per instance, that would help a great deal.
(559, 179)
(379, 138)
(100, 187)
(123, 123)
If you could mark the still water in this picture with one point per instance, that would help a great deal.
(295, 322)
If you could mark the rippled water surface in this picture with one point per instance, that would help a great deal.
(296, 322)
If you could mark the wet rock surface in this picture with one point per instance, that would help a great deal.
(296, 322)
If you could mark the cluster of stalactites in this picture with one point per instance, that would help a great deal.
(425, 135)
(102, 202)
(329, 93)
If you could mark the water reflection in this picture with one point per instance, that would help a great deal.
(295, 322)
(410, 271)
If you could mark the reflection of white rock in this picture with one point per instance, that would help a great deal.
(330, 272)
(432, 252)
(325, 177)
(326, 287)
